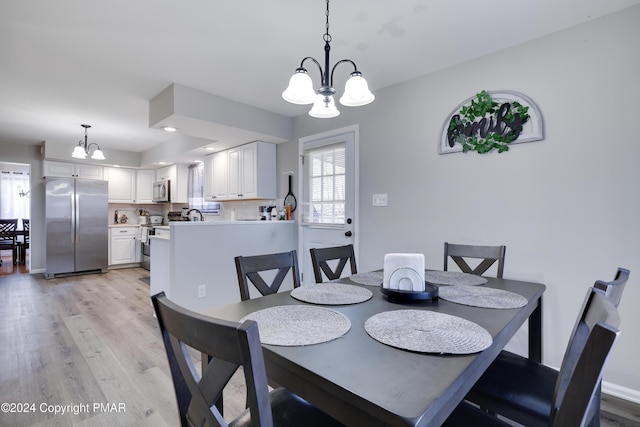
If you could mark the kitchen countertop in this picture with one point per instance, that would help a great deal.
(124, 225)
(239, 222)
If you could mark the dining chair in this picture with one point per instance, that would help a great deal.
(341, 254)
(249, 269)
(533, 394)
(229, 345)
(488, 254)
(613, 289)
(24, 244)
(8, 241)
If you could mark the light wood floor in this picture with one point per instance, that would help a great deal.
(93, 339)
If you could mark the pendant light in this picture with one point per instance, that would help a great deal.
(300, 89)
(82, 150)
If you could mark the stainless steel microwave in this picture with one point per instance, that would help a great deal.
(162, 191)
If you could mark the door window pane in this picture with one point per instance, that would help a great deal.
(327, 186)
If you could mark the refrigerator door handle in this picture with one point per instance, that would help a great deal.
(75, 216)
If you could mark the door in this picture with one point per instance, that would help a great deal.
(92, 228)
(329, 187)
(60, 246)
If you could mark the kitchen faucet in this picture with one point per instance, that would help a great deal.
(191, 210)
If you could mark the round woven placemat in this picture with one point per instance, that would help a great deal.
(331, 294)
(291, 325)
(372, 278)
(453, 278)
(427, 332)
(482, 297)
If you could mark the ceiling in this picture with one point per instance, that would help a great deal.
(70, 62)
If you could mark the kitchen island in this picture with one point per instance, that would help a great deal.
(195, 265)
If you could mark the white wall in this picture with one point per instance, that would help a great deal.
(567, 207)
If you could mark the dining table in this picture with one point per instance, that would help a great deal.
(362, 380)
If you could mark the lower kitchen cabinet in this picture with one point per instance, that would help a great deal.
(122, 245)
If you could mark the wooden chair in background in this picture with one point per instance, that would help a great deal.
(24, 244)
(488, 254)
(340, 254)
(250, 267)
(8, 241)
(229, 345)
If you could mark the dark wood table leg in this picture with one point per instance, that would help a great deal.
(535, 333)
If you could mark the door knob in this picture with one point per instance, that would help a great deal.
(348, 233)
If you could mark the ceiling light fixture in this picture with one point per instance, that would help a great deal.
(169, 128)
(82, 150)
(300, 89)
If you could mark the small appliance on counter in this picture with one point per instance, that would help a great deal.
(176, 216)
(155, 219)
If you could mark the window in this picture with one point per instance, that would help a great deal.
(195, 187)
(326, 172)
(14, 194)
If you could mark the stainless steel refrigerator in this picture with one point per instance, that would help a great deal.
(76, 226)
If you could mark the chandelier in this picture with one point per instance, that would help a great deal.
(300, 89)
(82, 150)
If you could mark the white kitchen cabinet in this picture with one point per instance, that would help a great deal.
(144, 185)
(162, 231)
(251, 171)
(122, 245)
(72, 170)
(215, 175)
(122, 184)
(177, 175)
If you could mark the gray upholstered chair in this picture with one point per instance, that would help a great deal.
(229, 345)
(488, 255)
(320, 258)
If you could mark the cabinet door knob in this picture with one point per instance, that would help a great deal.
(348, 234)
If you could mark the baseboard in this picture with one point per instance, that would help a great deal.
(621, 392)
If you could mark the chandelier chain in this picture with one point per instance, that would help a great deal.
(327, 36)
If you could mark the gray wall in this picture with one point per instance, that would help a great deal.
(567, 207)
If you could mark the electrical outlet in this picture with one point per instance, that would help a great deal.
(202, 291)
(379, 200)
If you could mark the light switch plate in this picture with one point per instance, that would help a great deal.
(379, 200)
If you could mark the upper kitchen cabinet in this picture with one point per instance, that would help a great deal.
(122, 184)
(72, 170)
(130, 185)
(177, 175)
(215, 177)
(144, 186)
(251, 171)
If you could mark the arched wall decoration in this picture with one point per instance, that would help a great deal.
(491, 120)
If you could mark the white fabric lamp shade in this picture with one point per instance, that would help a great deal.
(356, 92)
(300, 89)
(324, 110)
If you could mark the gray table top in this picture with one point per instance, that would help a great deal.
(361, 381)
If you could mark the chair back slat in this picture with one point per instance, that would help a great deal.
(320, 258)
(253, 268)
(8, 229)
(488, 255)
(578, 380)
